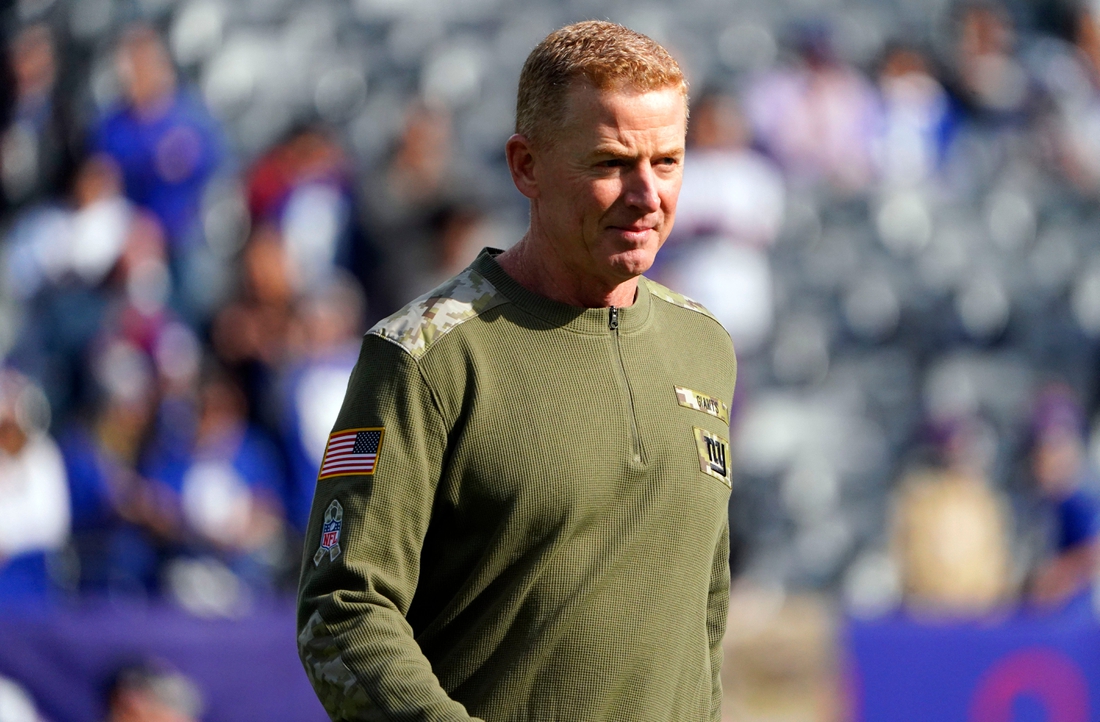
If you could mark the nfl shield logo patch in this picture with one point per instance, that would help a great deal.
(330, 533)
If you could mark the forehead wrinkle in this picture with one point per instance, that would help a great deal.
(613, 126)
(620, 150)
(620, 142)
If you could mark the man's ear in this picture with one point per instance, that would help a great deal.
(520, 153)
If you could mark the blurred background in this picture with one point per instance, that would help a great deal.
(891, 205)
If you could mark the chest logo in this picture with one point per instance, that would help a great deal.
(701, 402)
(350, 452)
(714, 455)
(330, 533)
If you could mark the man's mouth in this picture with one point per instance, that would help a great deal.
(634, 231)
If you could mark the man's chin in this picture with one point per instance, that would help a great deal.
(632, 263)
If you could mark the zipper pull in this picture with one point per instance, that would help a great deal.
(613, 319)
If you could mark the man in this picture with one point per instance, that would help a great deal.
(522, 511)
(149, 691)
(163, 138)
(1066, 482)
(35, 521)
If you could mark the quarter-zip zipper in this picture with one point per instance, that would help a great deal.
(624, 382)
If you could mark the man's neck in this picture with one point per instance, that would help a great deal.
(537, 268)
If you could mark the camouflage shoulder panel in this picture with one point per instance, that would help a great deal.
(432, 316)
(337, 687)
(676, 299)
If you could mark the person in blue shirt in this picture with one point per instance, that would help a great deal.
(313, 381)
(162, 137)
(119, 528)
(225, 479)
(1064, 479)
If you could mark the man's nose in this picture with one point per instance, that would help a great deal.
(641, 189)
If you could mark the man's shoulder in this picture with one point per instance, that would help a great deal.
(677, 299)
(691, 322)
(428, 318)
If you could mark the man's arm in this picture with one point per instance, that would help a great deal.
(717, 609)
(1067, 574)
(362, 549)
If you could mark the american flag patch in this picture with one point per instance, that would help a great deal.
(354, 451)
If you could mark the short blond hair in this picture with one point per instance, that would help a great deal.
(603, 54)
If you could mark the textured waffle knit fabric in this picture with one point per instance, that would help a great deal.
(543, 531)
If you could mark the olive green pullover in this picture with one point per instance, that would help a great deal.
(543, 531)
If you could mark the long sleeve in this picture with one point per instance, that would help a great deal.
(356, 587)
(717, 610)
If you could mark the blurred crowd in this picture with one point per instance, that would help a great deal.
(164, 402)
(136, 691)
(891, 206)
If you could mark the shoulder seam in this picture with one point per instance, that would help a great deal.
(462, 299)
(381, 333)
(672, 298)
(666, 294)
(415, 361)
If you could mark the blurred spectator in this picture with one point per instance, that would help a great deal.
(37, 146)
(226, 480)
(730, 210)
(419, 181)
(58, 261)
(328, 325)
(250, 334)
(951, 529)
(994, 84)
(164, 140)
(34, 497)
(120, 522)
(1086, 34)
(75, 244)
(733, 280)
(101, 220)
(140, 287)
(817, 117)
(780, 658)
(16, 704)
(461, 231)
(728, 189)
(419, 170)
(917, 118)
(152, 692)
(1067, 484)
(304, 187)
(1072, 77)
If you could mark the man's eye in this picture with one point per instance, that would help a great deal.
(613, 163)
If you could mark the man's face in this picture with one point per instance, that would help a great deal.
(608, 180)
(1056, 461)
